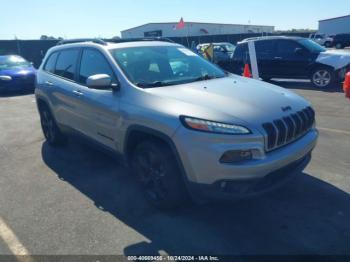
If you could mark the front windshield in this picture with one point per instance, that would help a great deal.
(312, 46)
(154, 66)
(11, 62)
(230, 47)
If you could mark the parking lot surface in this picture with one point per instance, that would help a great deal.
(77, 200)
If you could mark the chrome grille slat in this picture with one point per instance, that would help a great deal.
(283, 131)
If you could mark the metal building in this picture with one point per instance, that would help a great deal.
(192, 29)
(333, 26)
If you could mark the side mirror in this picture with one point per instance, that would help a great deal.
(100, 81)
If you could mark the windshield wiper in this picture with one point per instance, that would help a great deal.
(205, 77)
(151, 84)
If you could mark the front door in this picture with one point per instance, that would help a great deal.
(99, 108)
(291, 60)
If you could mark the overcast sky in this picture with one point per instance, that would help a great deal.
(106, 18)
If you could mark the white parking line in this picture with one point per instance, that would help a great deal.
(344, 132)
(15, 246)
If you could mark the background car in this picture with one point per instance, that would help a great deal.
(322, 39)
(293, 58)
(16, 74)
(341, 40)
(223, 52)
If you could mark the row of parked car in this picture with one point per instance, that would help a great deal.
(286, 57)
(338, 41)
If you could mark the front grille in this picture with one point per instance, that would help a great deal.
(284, 131)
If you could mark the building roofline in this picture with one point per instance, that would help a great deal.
(189, 22)
(344, 16)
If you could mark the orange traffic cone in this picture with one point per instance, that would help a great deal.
(246, 72)
(346, 85)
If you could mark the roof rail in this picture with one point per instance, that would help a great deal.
(125, 40)
(80, 40)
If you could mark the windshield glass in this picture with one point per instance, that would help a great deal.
(230, 47)
(154, 66)
(312, 46)
(10, 62)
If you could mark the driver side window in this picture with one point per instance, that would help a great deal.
(286, 47)
(93, 63)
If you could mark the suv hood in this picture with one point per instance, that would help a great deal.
(250, 101)
(334, 58)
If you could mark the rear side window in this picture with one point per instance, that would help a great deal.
(66, 63)
(93, 63)
(51, 62)
(286, 47)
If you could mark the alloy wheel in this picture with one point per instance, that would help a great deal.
(151, 174)
(322, 78)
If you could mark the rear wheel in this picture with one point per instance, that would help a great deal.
(339, 46)
(157, 170)
(322, 78)
(50, 129)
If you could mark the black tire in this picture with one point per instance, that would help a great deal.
(322, 77)
(328, 44)
(339, 46)
(52, 133)
(155, 167)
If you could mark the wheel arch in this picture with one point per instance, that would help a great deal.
(41, 102)
(137, 133)
(318, 66)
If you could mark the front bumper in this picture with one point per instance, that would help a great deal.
(200, 154)
(18, 84)
(233, 189)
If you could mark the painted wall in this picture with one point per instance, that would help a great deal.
(193, 29)
(335, 26)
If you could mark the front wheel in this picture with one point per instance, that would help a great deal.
(322, 78)
(155, 167)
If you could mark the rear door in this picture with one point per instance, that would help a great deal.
(63, 83)
(291, 60)
(264, 53)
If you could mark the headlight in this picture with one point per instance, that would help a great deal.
(5, 78)
(213, 127)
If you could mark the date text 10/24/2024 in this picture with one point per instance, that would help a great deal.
(173, 258)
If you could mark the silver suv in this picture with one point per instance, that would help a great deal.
(185, 127)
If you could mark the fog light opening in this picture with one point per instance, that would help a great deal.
(236, 156)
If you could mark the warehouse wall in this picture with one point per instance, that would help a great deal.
(335, 26)
(195, 29)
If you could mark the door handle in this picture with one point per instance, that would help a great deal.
(278, 58)
(48, 83)
(78, 93)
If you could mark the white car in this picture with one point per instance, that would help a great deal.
(322, 39)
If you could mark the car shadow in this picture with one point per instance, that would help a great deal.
(307, 216)
(306, 85)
